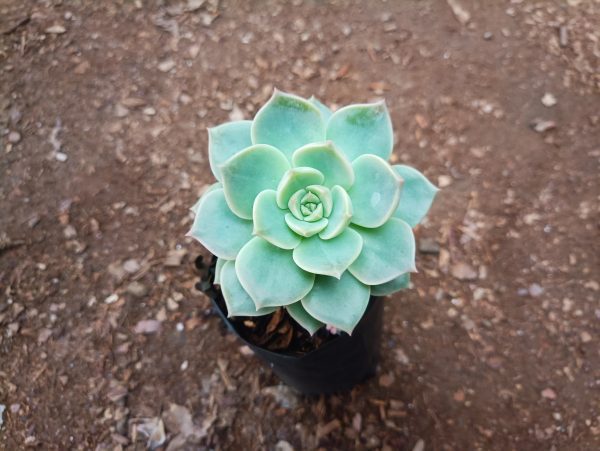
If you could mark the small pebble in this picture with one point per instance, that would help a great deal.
(585, 336)
(386, 380)
(147, 326)
(535, 290)
(120, 110)
(444, 181)
(419, 446)
(56, 29)
(246, 351)
(137, 289)
(282, 445)
(549, 100)
(488, 35)
(131, 266)
(111, 299)
(166, 66)
(14, 137)
(548, 393)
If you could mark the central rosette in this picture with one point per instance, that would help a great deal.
(311, 204)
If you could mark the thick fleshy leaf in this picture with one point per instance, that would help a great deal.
(269, 221)
(296, 179)
(287, 122)
(399, 283)
(224, 141)
(330, 161)
(237, 300)
(270, 276)
(218, 229)
(362, 129)
(249, 172)
(294, 203)
(304, 318)
(341, 214)
(218, 268)
(324, 196)
(417, 195)
(375, 193)
(214, 186)
(328, 257)
(325, 111)
(303, 228)
(315, 215)
(387, 252)
(338, 302)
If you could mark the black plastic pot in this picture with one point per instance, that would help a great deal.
(337, 365)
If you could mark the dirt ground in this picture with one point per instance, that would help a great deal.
(103, 147)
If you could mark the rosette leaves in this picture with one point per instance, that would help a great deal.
(307, 214)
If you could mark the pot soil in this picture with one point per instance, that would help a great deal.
(321, 364)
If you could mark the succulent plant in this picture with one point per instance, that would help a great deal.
(307, 214)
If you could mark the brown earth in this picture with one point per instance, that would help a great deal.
(104, 107)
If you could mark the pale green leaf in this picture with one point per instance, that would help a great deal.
(294, 204)
(269, 221)
(399, 283)
(325, 111)
(315, 215)
(287, 122)
(303, 228)
(218, 268)
(330, 161)
(302, 317)
(341, 214)
(224, 141)
(375, 193)
(296, 179)
(212, 187)
(362, 129)
(270, 276)
(417, 195)
(324, 196)
(387, 252)
(338, 302)
(218, 229)
(236, 299)
(249, 172)
(328, 257)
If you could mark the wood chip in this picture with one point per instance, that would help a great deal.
(147, 326)
(56, 29)
(325, 430)
(463, 271)
(175, 257)
(461, 14)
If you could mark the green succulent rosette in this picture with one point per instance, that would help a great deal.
(307, 214)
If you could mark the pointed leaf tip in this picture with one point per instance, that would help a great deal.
(340, 303)
(249, 172)
(287, 122)
(417, 196)
(226, 140)
(212, 218)
(270, 276)
(361, 129)
(387, 252)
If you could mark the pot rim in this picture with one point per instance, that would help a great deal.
(307, 355)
